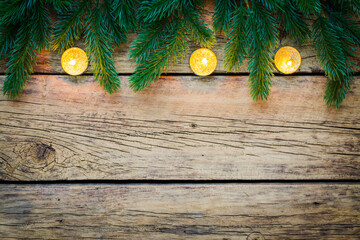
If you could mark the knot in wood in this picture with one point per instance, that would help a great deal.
(44, 152)
(34, 155)
(255, 236)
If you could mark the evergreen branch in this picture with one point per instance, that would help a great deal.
(329, 48)
(172, 47)
(147, 40)
(235, 47)
(350, 26)
(42, 28)
(293, 22)
(7, 38)
(14, 11)
(60, 6)
(153, 10)
(113, 29)
(333, 52)
(309, 6)
(267, 30)
(22, 58)
(197, 28)
(269, 4)
(69, 26)
(349, 35)
(336, 91)
(351, 7)
(222, 15)
(99, 50)
(33, 35)
(263, 35)
(125, 14)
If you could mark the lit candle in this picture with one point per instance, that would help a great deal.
(287, 60)
(203, 62)
(74, 61)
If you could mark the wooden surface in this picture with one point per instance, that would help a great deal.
(208, 162)
(180, 128)
(209, 211)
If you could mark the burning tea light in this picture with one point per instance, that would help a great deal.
(74, 61)
(287, 60)
(203, 62)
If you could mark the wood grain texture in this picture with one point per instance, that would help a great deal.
(232, 211)
(179, 128)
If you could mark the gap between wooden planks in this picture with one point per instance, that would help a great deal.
(209, 211)
(181, 128)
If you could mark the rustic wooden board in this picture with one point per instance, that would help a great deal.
(179, 128)
(216, 211)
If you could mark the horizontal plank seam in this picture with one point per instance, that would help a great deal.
(199, 182)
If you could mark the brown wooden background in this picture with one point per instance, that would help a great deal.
(188, 157)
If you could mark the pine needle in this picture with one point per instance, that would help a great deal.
(263, 35)
(20, 65)
(69, 26)
(99, 50)
(294, 22)
(237, 43)
(222, 15)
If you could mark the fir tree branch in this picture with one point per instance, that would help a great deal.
(42, 28)
(22, 58)
(60, 6)
(125, 14)
(113, 29)
(336, 91)
(309, 6)
(14, 11)
(7, 38)
(329, 48)
(293, 22)
(172, 47)
(222, 15)
(263, 35)
(236, 45)
(197, 28)
(153, 10)
(147, 40)
(332, 50)
(69, 26)
(269, 4)
(33, 35)
(351, 7)
(350, 26)
(99, 50)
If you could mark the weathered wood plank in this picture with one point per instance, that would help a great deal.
(231, 211)
(178, 128)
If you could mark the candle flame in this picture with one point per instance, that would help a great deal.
(289, 63)
(72, 62)
(204, 61)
